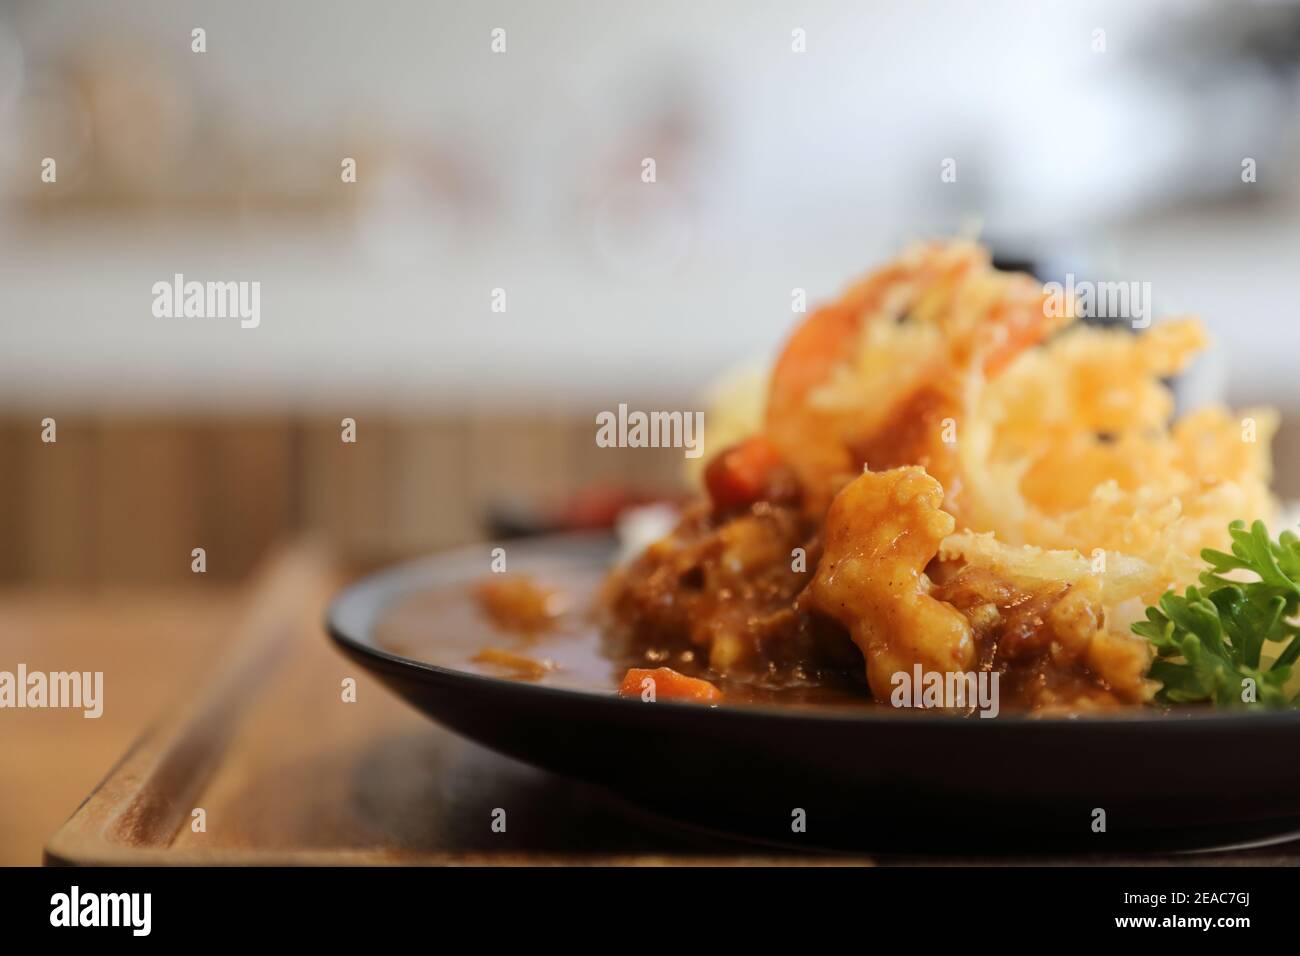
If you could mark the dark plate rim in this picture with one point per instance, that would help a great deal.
(361, 600)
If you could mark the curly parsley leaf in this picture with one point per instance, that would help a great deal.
(1210, 641)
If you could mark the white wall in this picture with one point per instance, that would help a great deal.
(802, 170)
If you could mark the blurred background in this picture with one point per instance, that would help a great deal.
(1103, 139)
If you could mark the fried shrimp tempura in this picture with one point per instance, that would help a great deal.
(1045, 633)
(1072, 447)
(896, 347)
(1029, 488)
(1060, 438)
(881, 532)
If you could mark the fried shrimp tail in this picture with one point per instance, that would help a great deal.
(896, 346)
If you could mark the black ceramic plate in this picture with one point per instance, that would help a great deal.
(881, 780)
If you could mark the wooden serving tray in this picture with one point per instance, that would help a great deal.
(286, 772)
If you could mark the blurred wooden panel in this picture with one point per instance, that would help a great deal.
(519, 458)
(432, 486)
(248, 492)
(656, 468)
(124, 501)
(345, 483)
(1286, 459)
(61, 529)
(151, 491)
(13, 498)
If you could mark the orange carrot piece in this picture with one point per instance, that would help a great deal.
(668, 685)
(742, 474)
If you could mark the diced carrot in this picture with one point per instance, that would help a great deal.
(743, 473)
(668, 685)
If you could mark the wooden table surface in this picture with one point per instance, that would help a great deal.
(283, 768)
(153, 646)
(240, 692)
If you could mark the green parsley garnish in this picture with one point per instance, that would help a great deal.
(1210, 641)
